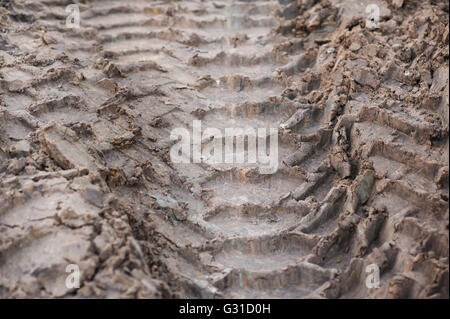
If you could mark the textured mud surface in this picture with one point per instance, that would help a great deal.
(86, 177)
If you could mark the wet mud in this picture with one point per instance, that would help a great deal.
(86, 176)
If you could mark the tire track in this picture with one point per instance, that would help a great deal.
(362, 176)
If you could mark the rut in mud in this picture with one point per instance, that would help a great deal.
(86, 176)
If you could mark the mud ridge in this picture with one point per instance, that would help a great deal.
(86, 176)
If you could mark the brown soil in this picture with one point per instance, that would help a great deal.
(86, 177)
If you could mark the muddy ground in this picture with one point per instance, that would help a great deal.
(86, 176)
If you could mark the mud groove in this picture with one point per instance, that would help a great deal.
(86, 177)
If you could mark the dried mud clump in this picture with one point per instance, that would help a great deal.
(362, 108)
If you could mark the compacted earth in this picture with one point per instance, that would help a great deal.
(358, 91)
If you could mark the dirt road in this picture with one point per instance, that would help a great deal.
(86, 175)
